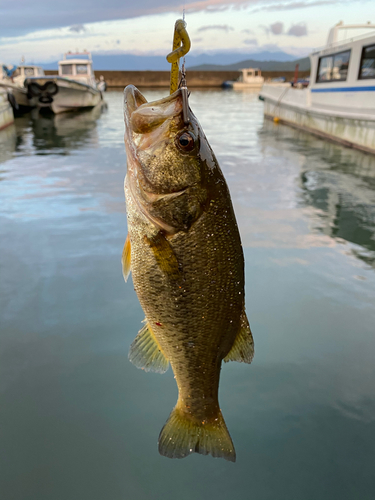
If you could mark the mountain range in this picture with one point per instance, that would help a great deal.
(271, 61)
(304, 65)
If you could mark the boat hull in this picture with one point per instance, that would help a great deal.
(60, 95)
(294, 107)
(229, 84)
(247, 85)
(6, 111)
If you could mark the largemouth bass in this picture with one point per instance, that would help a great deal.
(185, 254)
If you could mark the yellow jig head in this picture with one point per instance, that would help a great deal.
(180, 37)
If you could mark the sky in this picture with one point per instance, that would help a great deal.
(41, 30)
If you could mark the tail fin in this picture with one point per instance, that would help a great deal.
(182, 436)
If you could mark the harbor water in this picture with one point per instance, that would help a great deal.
(79, 421)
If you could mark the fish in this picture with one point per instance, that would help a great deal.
(184, 251)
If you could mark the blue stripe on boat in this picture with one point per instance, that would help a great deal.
(346, 89)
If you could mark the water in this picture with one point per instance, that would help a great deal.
(79, 421)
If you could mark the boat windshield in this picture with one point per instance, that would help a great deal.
(67, 69)
(367, 63)
(81, 69)
(334, 67)
(29, 72)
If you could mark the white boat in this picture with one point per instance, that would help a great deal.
(6, 111)
(18, 94)
(250, 78)
(339, 102)
(73, 89)
(19, 75)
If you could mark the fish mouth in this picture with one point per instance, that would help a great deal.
(147, 125)
(143, 118)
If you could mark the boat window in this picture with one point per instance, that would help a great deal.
(67, 69)
(81, 69)
(29, 71)
(333, 68)
(367, 68)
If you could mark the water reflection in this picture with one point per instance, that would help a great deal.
(339, 183)
(45, 134)
(8, 142)
(79, 421)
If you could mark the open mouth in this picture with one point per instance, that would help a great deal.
(142, 117)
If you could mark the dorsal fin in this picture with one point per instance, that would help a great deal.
(243, 347)
(146, 353)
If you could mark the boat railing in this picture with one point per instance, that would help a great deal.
(341, 42)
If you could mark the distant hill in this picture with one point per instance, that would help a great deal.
(304, 65)
(132, 62)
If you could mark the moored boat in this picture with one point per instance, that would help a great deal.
(250, 78)
(17, 94)
(20, 92)
(338, 103)
(73, 89)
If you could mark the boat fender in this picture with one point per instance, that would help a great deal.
(276, 119)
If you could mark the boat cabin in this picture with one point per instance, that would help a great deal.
(249, 75)
(344, 67)
(22, 72)
(77, 67)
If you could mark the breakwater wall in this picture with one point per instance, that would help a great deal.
(197, 79)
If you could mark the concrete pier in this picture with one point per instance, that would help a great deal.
(195, 79)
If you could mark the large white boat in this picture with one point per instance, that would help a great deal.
(6, 111)
(250, 78)
(73, 89)
(339, 102)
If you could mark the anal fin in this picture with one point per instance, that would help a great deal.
(126, 258)
(243, 346)
(146, 353)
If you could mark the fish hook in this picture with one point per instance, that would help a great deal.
(181, 46)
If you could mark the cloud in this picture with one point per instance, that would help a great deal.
(250, 41)
(222, 27)
(299, 29)
(77, 28)
(299, 5)
(249, 32)
(41, 14)
(276, 28)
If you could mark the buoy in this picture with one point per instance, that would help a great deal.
(276, 119)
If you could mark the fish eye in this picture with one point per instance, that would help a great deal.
(185, 141)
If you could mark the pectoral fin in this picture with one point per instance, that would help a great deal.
(164, 255)
(126, 258)
(243, 347)
(146, 353)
